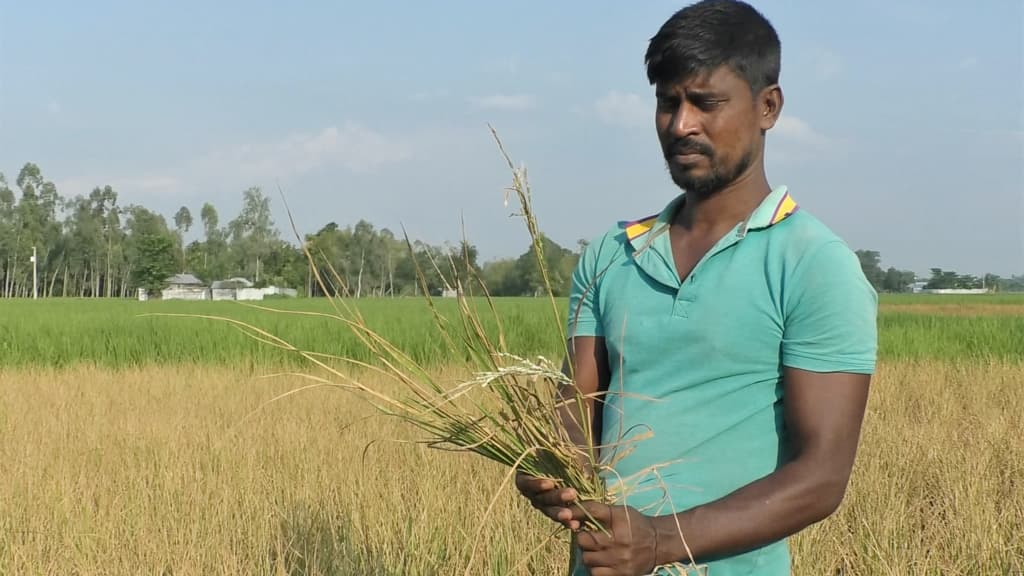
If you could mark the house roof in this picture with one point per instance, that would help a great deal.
(185, 279)
(231, 283)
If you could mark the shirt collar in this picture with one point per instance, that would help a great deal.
(775, 208)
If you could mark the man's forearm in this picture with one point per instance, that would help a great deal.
(576, 418)
(772, 508)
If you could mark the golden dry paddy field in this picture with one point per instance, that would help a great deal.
(184, 468)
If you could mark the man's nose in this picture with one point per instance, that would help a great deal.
(686, 120)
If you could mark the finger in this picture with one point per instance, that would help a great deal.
(600, 513)
(532, 485)
(559, 497)
(558, 514)
(599, 562)
(604, 571)
(592, 541)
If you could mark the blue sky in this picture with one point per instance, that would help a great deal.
(903, 127)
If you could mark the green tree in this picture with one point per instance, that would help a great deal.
(871, 264)
(156, 262)
(8, 236)
(559, 263)
(992, 281)
(1012, 284)
(501, 279)
(37, 223)
(252, 233)
(182, 224)
(897, 280)
(465, 269)
(948, 279)
(150, 248)
(214, 249)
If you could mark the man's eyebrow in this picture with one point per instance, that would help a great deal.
(705, 94)
(690, 93)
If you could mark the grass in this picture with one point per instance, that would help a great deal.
(177, 470)
(112, 333)
(995, 299)
(62, 333)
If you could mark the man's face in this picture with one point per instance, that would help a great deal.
(710, 130)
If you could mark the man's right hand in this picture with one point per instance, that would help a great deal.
(553, 502)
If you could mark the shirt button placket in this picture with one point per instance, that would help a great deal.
(685, 297)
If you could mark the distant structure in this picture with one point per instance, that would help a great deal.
(185, 287)
(919, 288)
(188, 287)
(955, 291)
(233, 289)
(242, 289)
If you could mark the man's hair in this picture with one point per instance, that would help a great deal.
(702, 37)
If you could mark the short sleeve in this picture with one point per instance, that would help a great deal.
(584, 313)
(831, 314)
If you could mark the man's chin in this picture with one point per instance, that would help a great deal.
(687, 179)
(692, 184)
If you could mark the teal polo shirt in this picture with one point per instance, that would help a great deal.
(696, 365)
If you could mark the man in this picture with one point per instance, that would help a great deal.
(736, 329)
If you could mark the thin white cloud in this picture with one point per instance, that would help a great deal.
(794, 140)
(624, 109)
(133, 185)
(428, 95)
(53, 107)
(797, 130)
(505, 102)
(351, 147)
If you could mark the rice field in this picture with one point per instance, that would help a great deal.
(149, 445)
(119, 334)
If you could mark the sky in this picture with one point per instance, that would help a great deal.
(902, 129)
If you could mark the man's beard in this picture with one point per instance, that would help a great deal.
(719, 177)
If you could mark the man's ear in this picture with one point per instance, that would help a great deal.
(769, 105)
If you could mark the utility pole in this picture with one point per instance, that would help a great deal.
(35, 281)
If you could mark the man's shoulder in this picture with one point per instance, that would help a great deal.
(802, 235)
(803, 226)
(803, 247)
(614, 238)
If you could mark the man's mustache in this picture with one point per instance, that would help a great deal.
(688, 146)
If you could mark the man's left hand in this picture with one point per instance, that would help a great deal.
(626, 547)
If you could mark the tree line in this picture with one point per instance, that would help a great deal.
(92, 246)
(896, 281)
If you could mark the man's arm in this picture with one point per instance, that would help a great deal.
(589, 360)
(823, 414)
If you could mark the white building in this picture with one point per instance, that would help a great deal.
(242, 289)
(229, 289)
(185, 287)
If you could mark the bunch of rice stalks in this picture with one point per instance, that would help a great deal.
(520, 412)
(523, 413)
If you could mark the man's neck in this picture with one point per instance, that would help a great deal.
(724, 208)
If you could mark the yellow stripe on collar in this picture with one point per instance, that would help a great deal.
(638, 228)
(786, 207)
